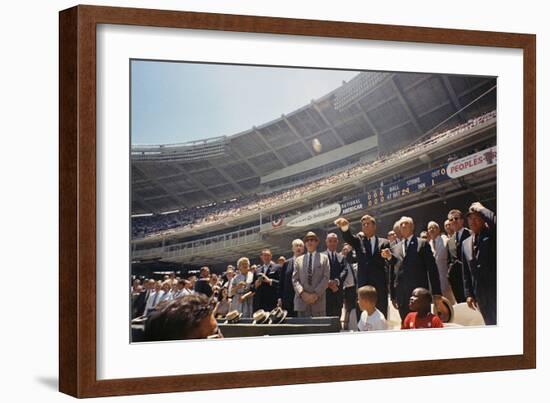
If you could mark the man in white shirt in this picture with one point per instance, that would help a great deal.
(438, 243)
(154, 298)
(167, 294)
(182, 289)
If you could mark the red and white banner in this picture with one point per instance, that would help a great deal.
(473, 163)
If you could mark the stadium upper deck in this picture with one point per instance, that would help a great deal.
(372, 113)
(223, 216)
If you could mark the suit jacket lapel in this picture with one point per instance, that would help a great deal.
(399, 246)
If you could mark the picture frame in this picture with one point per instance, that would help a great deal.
(78, 314)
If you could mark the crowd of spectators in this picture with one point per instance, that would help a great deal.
(201, 216)
(369, 283)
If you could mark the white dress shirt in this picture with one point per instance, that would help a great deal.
(348, 281)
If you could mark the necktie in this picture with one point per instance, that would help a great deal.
(370, 247)
(155, 298)
(476, 244)
(310, 269)
(458, 246)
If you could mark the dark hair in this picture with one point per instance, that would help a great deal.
(368, 217)
(425, 293)
(220, 293)
(177, 319)
(455, 212)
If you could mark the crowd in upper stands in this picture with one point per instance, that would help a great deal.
(200, 216)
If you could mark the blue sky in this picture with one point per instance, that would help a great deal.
(176, 102)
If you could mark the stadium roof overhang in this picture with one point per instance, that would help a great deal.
(479, 135)
(392, 108)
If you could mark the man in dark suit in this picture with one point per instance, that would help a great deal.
(141, 300)
(334, 292)
(454, 246)
(286, 289)
(348, 281)
(371, 267)
(266, 282)
(412, 266)
(202, 285)
(480, 262)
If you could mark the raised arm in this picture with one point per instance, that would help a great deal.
(348, 237)
(489, 216)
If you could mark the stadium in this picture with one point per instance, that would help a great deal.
(387, 144)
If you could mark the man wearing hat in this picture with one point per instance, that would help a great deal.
(310, 279)
(480, 262)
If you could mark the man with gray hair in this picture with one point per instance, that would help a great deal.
(286, 289)
(412, 266)
(397, 231)
(438, 243)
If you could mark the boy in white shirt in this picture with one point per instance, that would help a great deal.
(371, 318)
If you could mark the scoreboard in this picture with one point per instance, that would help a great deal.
(396, 190)
(410, 185)
(464, 166)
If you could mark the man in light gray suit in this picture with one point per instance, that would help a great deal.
(438, 242)
(310, 279)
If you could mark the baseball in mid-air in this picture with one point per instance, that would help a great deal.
(316, 144)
